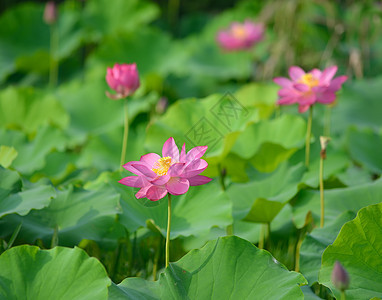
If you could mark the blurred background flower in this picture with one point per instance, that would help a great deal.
(240, 36)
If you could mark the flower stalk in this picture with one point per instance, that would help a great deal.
(328, 112)
(168, 230)
(308, 136)
(125, 133)
(53, 64)
(324, 142)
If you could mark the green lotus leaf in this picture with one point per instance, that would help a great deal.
(102, 18)
(270, 142)
(28, 109)
(7, 156)
(334, 163)
(130, 47)
(75, 214)
(21, 200)
(358, 104)
(261, 200)
(364, 148)
(25, 41)
(59, 273)
(337, 201)
(214, 121)
(358, 247)
(228, 267)
(316, 242)
(32, 153)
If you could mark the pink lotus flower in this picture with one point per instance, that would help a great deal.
(123, 79)
(305, 89)
(240, 36)
(173, 172)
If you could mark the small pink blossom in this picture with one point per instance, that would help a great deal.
(172, 173)
(122, 78)
(50, 13)
(305, 89)
(240, 36)
(340, 277)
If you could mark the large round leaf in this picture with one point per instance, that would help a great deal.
(358, 248)
(76, 214)
(214, 121)
(337, 201)
(229, 267)
(92, 113)
(334, 163)
(261, 200)
(359, 104)
(102, 17)
(25, 37)
(26, 272)
(28, 109)
(15, 199)
(152, 50)
(316, 242)
(7, 155)
(364, 148)
(32, 153)
(270, 142)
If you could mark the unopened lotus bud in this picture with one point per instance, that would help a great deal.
(50, 13)
(122, 78)
(161, 106)
(340, 277)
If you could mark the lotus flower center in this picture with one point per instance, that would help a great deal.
(309, 80)
(162, 165)
(239, 32)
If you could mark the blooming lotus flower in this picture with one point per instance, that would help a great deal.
(305, 89)
(240, 36)
(172, 173)
(122, 78)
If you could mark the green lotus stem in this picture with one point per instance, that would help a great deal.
(261, 239)
(168, 230)
(156, 260)
(125, 134)
(297, 255)
(322, 191)
(54, 242)
(116, 261)
(14, 235)
(343, 297)
(268, 234)
(328, 111)
(229, 229)
(53, 64)
(222, 175)
(308, 134)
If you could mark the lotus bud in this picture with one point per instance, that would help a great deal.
(340, 277)
(122, 78)
(161, 106)
(50, 13)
